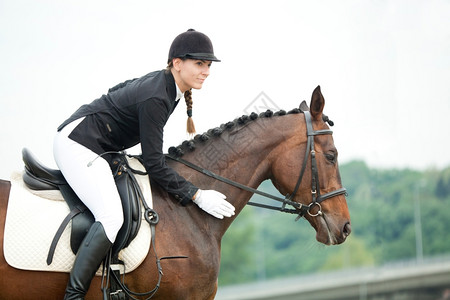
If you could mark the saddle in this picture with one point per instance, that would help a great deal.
(39, 177)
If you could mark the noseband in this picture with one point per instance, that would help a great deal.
(299, 208)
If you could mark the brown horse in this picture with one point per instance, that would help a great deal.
(248, 151)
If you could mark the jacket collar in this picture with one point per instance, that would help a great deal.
(172, 89)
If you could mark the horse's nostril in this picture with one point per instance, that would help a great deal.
(347, 229)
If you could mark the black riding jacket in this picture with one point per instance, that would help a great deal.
(133, 112)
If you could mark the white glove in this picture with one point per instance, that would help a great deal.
(214, 203)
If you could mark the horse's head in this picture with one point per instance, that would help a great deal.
(306, 168)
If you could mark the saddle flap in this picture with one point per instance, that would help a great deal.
(131, 212)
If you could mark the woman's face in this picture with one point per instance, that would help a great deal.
(191, 73)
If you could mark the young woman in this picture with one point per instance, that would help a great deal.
(132, 112)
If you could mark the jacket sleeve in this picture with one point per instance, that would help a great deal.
(153, 115)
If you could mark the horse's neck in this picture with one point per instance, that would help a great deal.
(242, 155)
(238, 153)
(251, 148)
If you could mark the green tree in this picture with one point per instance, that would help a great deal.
(237, 250)
(263, 244)
(353, 253)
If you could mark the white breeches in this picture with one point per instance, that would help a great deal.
(93, 184)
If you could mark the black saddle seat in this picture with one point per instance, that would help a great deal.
(39, 177)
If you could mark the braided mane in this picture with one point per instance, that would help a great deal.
(190, 145)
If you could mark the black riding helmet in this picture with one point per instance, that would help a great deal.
(192, 44)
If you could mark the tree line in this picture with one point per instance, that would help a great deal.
(396, 214)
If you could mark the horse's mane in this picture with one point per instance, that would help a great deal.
(190, 145)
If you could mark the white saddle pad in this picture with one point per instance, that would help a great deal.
(33, 218)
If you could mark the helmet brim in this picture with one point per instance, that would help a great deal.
(201, 56)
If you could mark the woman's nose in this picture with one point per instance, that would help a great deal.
(206, 71)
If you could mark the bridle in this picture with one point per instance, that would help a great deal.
(299, 208)
(317, 198)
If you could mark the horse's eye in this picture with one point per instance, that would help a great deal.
(331, 157)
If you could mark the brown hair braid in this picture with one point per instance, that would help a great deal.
(190, 127)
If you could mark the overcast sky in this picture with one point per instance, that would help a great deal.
(384, 68)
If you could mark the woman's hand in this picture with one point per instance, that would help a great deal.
(214, 203)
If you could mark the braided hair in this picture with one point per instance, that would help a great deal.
(190, 127)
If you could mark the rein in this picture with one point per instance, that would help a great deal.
(299, 208)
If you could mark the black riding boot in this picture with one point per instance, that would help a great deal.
(92, 251)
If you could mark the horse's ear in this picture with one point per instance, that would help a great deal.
(317, 103)
(303, 106)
